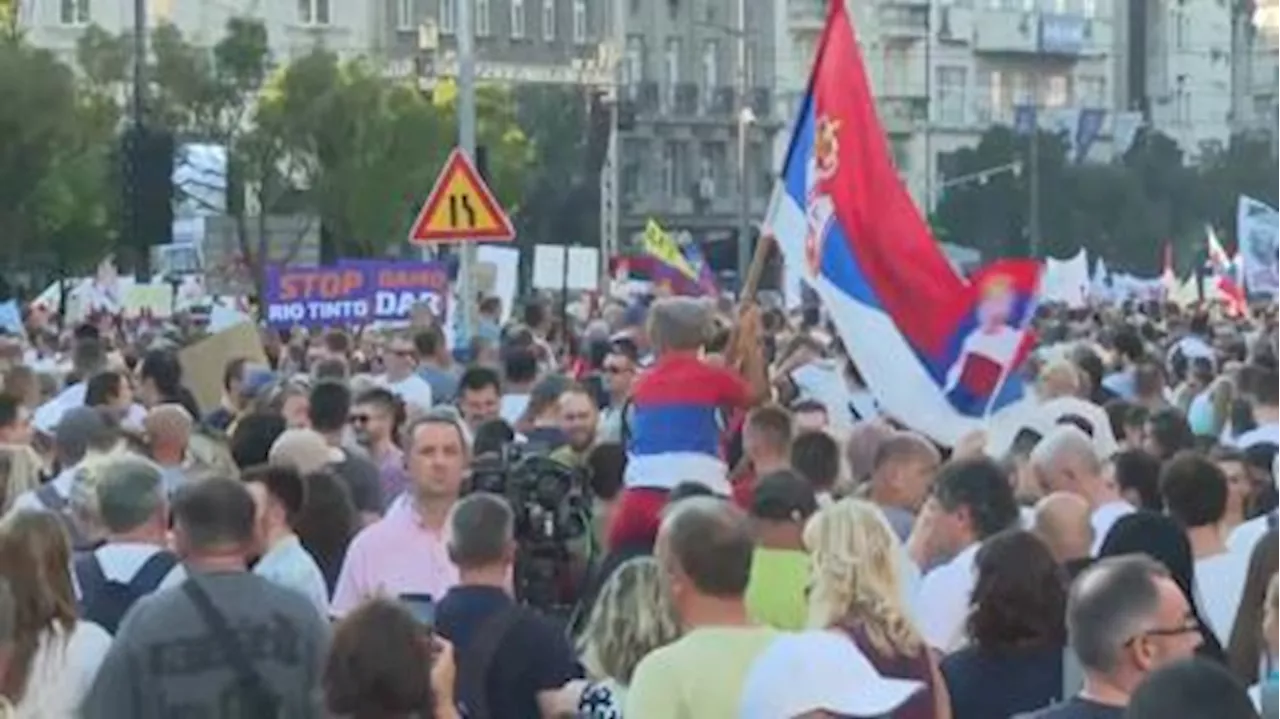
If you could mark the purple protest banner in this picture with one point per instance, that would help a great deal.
(354, 292)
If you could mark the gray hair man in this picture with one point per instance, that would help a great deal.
(1066, 460)
(529, 667)
(133, 511)
(678, 324)
(1126, 618)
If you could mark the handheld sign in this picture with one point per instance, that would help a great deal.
(460, 208)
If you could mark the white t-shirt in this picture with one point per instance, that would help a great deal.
(1262, 434)
(943, 601)
(1104, 518)
(1219, 584)
(512, 407)
(47, 415)
(412, 389)
(1245, 537)
(63, 670)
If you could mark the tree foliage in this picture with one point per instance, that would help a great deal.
(54, 164)
(1124, 211)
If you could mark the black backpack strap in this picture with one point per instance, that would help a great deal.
(1273, 520)
(49, 497)
(250, 679)
(89, 574)
(474, 664)
(152, 572)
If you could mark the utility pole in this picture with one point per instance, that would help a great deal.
(929, 169)
(744, 191)
(610, 193)
(138, 108)
(467, 142)
(1033, 173)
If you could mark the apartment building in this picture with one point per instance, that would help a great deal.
(695, 73)
(1256, 67)
(944, 71)
(1189, 67)
(294, 27)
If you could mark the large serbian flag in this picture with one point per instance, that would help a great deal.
(940, 352)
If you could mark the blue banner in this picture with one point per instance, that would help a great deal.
(354, 292)
(1088, 127)
(1024, 119)
(1062, 34)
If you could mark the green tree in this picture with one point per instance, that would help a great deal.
(54, 164)
(1247, 167)
(557, 189)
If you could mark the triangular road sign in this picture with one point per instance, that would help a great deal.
(460, 208)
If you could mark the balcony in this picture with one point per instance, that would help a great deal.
(761, 103)
(904, 21)
(1044, 34)
(806, 14)
(902, 116)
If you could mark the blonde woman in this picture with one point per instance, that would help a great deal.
(856, 588)
(631, 617)
(20, 469)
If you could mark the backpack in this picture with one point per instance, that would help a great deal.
(105, 602)
(61, 508)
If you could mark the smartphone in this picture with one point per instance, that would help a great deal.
(422, 607)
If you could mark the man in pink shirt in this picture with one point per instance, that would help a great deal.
(404, 552)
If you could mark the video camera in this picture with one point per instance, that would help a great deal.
(552, 509)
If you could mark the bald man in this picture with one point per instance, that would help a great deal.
(1062, 521)
(1065, 460)
(168, 428)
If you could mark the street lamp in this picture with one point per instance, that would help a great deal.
(746, 118)
(981, 177)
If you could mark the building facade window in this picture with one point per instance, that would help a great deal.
(313, 12)
(404, 15)
(951, 95)
(710, 70)
(1091, 91)
(1057, 91)
(481, 18)
(635, 157)
(579, 21)
(633, 61)
(74, 12)
(671, 168)
(448, 16)
(548, 20)
(517, 19)
(671, 71)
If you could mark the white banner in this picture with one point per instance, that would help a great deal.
(1066, 281)
(1258, 237)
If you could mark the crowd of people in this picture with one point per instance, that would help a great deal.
(762, 541)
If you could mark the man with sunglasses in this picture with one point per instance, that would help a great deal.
(1126, 618)
(619, 370)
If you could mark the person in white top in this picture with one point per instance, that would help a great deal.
(400, 360)
(520, 374)
(1195, 496)
(1244, 537)
(972, 500)
(1065, 460)
(278, 493)
(55, 656)
(1261, 388)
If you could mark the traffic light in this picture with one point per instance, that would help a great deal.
(146, 217)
